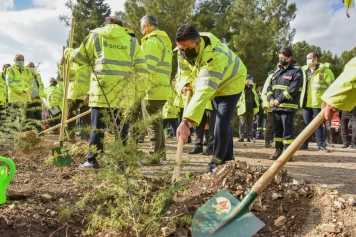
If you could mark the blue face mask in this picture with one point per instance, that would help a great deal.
(20, 63)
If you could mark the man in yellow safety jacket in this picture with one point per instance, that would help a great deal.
(221, 77)
(157, 48)
(19, 83)
(317, 78)
(118, 79)
(247, 106)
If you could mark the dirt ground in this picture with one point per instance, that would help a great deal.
(315, 195)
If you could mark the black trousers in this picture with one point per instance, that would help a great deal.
(97, 133)
(208, 118)
(283, 127)
(224, 108)
(74, 105)
(261, 124)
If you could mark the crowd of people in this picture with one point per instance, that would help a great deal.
(110, 72)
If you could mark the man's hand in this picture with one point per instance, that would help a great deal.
(86, 97)
(329, 110)
(276, 103)
(271, 103)
(63, 60)
(185, 89)
(184, 132)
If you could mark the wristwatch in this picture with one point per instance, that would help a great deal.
(189, 124)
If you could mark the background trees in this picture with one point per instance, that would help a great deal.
(254, 30)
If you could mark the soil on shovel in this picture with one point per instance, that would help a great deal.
(315, 195)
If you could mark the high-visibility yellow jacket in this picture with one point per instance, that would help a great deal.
(55, 95)
(18, 82)
(3, 90)
(320, 80)
(169, 109)
(220, 72)
(265, 102)
(157, 48)
(39, 88)
(79, 79)
(241, 104)
(119, 64)
(342, 93)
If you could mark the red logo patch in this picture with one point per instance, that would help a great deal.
(287, 77)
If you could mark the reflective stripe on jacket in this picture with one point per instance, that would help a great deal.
(265, 102)
(157, 48)
(319, 82)
(342, 93)
(285, 86)
(18, 82)
(40, 88)
(220, 72)
(55, 95)
(119, 63)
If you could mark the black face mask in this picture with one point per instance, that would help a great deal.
(189, 54)
(283, 62)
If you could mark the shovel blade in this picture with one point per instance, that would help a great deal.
(61, 156)
(212, 213)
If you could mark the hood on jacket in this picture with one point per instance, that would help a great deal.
(161, 34)
(113, 31)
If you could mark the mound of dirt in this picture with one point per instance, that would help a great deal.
(288, 207)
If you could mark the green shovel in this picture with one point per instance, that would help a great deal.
(224, 216)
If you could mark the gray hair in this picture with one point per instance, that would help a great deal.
(149, 20)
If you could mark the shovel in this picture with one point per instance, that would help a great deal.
(224, 216)
(61, 154)
(177, 168)
(67, 121)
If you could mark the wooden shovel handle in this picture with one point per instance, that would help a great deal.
(66, 82)
(177, 168)
(267, 177)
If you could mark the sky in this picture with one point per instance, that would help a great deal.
(32, 28)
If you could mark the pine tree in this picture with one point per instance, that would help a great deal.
(88, 14)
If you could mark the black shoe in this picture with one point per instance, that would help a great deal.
(328, 144)
(189, 139)
(208, 152)
(277, 154)
(196, 150)
(322, 148)
(303, 147)
(345, 146)
(211, 166)
(88, 164)
(240, 140)
(268, 145)
(353, 146)
(248, 140)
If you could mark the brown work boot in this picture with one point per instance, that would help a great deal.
(277, 154)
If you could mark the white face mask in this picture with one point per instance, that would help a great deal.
(249, 82)
(309, 62)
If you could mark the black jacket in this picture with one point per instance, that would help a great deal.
(285, 86)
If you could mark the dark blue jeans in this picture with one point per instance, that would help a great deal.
(97, 132)
(308, 115)
(224, 109)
